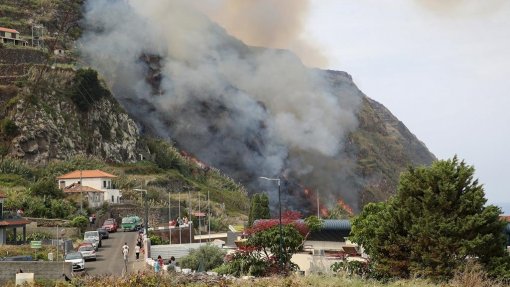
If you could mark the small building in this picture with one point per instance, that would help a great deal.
(11, 221)
(330, 238)
(11, 36)
(95, 184)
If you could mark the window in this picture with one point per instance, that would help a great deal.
(2, 34)
(104, 183)
(113, 198)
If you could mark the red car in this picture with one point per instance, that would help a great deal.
(110, 224)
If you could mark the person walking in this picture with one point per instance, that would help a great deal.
(125, 247)
(137, 252)
(125, 253)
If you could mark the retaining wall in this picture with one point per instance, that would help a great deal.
(41, 269)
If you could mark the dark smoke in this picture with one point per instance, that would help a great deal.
(248, 111)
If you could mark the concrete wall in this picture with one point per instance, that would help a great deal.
(41, 270)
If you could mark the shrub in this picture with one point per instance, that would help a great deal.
(245, 261)
(8, 127)
(209, 256)
(80, 222)
(156, 239)
(87, 89)
(46, 187)
(14, 166)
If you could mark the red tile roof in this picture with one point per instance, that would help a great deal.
(8, 30)
(86, 174)
(76, 187)
(505, 218)
(12, 222)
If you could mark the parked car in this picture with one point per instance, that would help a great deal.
(76, 259)
(88, 252)
(90, 241)
(111, 225)
(103, 233)
(93, 235)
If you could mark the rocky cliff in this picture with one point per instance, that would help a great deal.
(47, 124)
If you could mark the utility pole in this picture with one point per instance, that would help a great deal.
(208, 215)
(199, 220)
(81, 192)
(146, 219)
(318, 206)
(180, 227)
(190, 217)
(169, 220)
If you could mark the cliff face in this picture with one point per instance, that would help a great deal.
(383, 147)
(49, 125)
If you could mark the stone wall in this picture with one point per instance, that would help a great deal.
(41, 269)
(22, 56)
(68, 231)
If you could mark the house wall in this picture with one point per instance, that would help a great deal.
(324, 245)
(103, 184)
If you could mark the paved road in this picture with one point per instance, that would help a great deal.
(109, 256)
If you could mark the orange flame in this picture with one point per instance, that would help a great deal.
(345, 207)
(194, 160)
(324, 211)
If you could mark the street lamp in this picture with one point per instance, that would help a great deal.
(279, 216)
(146, 220)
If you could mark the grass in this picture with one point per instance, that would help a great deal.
(474, 279)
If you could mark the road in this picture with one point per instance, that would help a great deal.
(109, 256)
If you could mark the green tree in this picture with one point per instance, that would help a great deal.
(87, 89)
(259, 208)
(46, 188)
(436, 221)
(80, 221)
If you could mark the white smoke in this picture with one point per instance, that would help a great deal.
(229, 104)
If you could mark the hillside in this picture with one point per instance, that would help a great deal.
(231, 115)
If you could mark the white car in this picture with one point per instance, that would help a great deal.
(88, 252)
(94, 235)
(76, 259)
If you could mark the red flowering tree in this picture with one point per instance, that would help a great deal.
(265, 237)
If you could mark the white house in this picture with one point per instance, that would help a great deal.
(95, 184)
(11, 36)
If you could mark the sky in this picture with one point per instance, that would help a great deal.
(442, 69)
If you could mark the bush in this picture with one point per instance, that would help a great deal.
(352, 268)
(209, 256)
(245, 261)
(16, 167)
(9, 128)
(157, 240)
(87, 89)
(80, 222)
(46, 187)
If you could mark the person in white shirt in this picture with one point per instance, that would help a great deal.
(125, 250)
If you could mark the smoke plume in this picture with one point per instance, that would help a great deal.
(462, 8)
(248, 111)
(267, 23)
